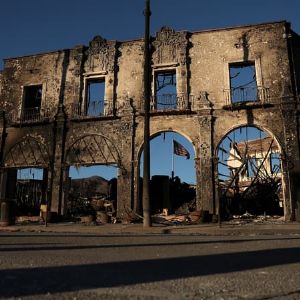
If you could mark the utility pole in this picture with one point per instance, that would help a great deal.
(147, 86)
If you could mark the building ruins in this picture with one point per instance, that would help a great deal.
(219, 80)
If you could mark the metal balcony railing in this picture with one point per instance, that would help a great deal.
(247, 94)
(168, 102)
(93, 109)
(29, 115)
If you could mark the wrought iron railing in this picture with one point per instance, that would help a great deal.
(30, 115)
(168, 102)
(93, 109)
(246, 94)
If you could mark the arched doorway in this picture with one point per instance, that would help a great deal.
(250, 173)
(24, 179)
(91, 188)
(172, 171)
(91, 173)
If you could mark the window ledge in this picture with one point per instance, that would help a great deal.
(169, 112)
(18, 123)
(93, 118)
(166, 65)
(246, 105)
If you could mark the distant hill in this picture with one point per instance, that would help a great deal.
(89, 187)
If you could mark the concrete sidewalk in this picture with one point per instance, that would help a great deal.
(292, 228)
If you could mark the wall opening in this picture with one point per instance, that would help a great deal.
(27, 189)
(249, 173)
(31, 103)
(165, 90)
(92, 190)
(95, 94)
(243, 86)
(173, 176)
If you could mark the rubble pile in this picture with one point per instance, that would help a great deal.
(94, 210)
(194, 217)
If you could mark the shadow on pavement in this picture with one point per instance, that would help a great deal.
(62, 247)
(41, 280)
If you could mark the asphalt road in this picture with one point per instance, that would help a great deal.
(162, 266)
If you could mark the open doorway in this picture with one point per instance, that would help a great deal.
(173, 176)
(92, 191)
(27, 188)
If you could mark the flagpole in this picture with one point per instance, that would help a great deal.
(172, 174)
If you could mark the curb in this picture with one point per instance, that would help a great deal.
(138, 229)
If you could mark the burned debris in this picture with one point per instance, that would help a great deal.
(250, 176)
(92, 199)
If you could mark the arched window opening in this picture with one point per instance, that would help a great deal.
(249, 173)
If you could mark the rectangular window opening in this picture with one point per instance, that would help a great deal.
(32, 102)
(165, 90)
(243, 85)
(95, 97)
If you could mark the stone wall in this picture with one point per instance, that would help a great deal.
(64, 135)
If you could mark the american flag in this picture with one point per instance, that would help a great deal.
(180, 150)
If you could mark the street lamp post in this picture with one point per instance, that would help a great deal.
(146, 170)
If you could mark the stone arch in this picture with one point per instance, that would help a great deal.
(30, 151)
(250, 171)
(259, 127)
(93, 149)
(168, 181)
(157, 133)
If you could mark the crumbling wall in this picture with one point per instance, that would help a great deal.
(212, 51)
(130, 74)
(265, 45)
(201, 62)
(294, 43)
(45, 69)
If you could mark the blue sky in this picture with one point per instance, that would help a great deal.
(31, 26)
(161, 149)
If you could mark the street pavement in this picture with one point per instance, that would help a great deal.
(117, 261)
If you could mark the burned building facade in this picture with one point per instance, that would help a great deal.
(50, 121)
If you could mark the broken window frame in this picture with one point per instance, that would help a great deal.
(29, 112)
(97, 107)
(167, 101)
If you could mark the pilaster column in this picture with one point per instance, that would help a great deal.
(291, 163)
(204, 165)
(56, 191)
